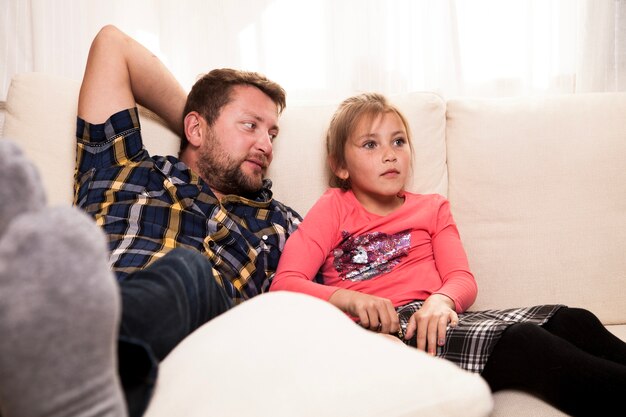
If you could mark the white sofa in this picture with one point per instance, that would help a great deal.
(537, 187)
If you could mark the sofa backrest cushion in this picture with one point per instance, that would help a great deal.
(537, 185)
(41, 117)
(538, 189)
(298, 170)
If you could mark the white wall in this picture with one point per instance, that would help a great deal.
(1, 121)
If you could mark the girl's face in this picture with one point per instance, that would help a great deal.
(378, 162)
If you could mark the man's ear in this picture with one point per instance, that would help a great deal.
(194, 128)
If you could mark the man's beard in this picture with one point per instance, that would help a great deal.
(223, 173)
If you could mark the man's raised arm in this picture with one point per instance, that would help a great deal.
(121, 72)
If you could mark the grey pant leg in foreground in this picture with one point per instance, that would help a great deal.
(59, 305)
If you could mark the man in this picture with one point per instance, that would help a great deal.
(187, 235)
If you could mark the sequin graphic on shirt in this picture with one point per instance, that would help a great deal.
(359, 258)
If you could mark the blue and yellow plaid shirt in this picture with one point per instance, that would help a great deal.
(148, 206)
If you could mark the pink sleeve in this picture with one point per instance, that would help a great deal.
(451, 261)
(306, 250)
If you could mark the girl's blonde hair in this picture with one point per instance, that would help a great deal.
(344, 122)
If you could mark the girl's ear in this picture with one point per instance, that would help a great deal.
(194, 128)
(340, 172)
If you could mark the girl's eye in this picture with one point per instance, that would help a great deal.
(369, 145)
(399, 141)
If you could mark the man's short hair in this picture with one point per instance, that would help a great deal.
(213, 91)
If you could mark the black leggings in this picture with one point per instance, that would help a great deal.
(572, 362)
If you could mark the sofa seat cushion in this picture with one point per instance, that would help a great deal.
(510, 403)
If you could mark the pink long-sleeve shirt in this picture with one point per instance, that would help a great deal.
(404, 256)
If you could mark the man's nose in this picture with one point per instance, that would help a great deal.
(264, 143)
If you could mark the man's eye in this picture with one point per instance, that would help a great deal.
(250, 125)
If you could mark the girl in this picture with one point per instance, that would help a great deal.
(394, 261)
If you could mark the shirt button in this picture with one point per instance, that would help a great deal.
(264, 237)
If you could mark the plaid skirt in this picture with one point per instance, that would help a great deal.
(470, 343)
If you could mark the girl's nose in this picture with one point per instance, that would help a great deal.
(390, 156)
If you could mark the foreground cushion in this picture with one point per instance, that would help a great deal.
(288, 354)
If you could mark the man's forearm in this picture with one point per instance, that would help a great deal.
(121, 72)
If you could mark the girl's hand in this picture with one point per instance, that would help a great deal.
(374, 313)
(431, 322)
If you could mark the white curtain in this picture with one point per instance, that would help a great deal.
(328, 49)
(601, 63)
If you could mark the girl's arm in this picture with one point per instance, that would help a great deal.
(451, 260)
(306, 250)
(458, 292)
(305, 253)
(299, 263)
(374, 313)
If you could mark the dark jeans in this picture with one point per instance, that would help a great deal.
(161, 305)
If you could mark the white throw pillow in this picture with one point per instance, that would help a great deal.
(288, 354)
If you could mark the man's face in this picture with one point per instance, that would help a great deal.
(237, 151)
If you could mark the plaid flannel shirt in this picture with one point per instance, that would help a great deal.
(148, 206)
